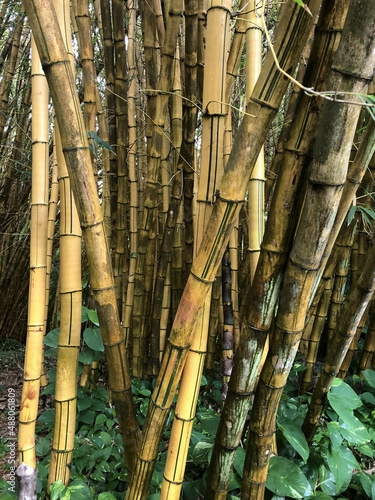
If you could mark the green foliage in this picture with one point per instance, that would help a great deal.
(332, 467)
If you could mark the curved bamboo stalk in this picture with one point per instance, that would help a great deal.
(217, 31)
(354, 308)
(77, 155)
(38, 265)
(276, 244)
(263, 105)
(320, 207)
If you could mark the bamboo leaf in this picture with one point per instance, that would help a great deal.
(93, 339)
(294, 436)
(304, 6)
(99, 141)
(351, 214)
(285, 478)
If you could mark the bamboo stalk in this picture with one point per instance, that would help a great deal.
(354, 308)
(57, 68)
(323, 191)
(38, 265)
(264, 104)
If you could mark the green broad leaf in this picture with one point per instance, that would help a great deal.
(107, 439)
(354, 431)
(47, 417)
(334, 435)
(79, 490)
(321, 495)
(286, 479)
(343, 396)
(93, 339)
(100, 419)
(106, 496)
(365, 449)
(104, 466)
(239, 460)
(93, 317)
(294, 435)
(327, 481)
(370, 377)
(87, 417)
(102, 454)
(97, 475)
(351, 214)
(368, 483)
(101, 393)
(201, 451)
(367, 397)
(50, 389)
(196, 436)
(42, 447)
(80, 463)
(84, 314)
(210, 423)
(154, 496)
(88, 356)
(52, 338)
(84, 402)
(56, 489)
(50, 353)
(338, 465)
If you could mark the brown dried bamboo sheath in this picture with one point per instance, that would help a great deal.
(292, 31)
(57, 68)
(351, 71)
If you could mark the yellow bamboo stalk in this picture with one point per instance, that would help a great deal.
(254, 33)
(218, 15)
(71, 302)
(261, 109)
(132, 164)
(43, 20)
(38, 265)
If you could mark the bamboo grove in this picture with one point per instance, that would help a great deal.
(209, 166)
